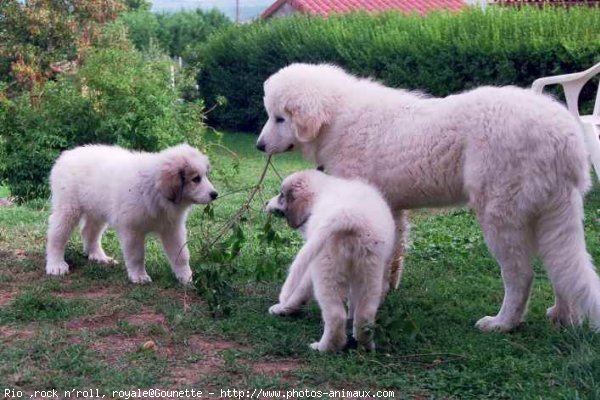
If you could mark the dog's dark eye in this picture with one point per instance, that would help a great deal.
(279, 120)
(197, 179)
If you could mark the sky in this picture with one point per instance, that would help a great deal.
(248, 8)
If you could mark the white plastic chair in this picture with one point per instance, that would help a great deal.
(572, 85)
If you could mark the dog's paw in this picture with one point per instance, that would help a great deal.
(276, 309)
(494, 324)
(282, 309)
(183, 274)
(57, 268)
(315, 346)
(102, 259)
(559, 317)
(185, 278)
(141, 278)
(325, 346)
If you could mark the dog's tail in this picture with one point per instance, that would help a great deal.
(334, 231)
(561, 246)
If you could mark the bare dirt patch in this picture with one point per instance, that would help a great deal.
(95, 322)
(23, 265)
(199, 344)
(7, 296)
(112, 347)
(284, 368)
(210, 364)
(186, 298)
(16, 333)
(16, 255)
(19, 254)
(91, 294)
(190, 374)
(146, 316)
(92, 323)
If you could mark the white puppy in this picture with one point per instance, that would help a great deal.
(135, 193)
(349, 233)
(517, 158)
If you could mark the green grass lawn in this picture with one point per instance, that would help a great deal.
(89, 328)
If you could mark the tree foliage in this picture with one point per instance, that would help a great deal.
(39, 37)
(174, 33)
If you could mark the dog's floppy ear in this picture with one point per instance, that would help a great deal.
(171, 180)
(298, 203)
(308, 116)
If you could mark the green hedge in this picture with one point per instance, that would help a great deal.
(440, 54)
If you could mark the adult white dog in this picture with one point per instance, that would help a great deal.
(135, 193)
(349, 233)
(517, 158)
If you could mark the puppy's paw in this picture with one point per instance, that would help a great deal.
(324, 346)
(276, 309)
(185, 278)
(141, 278)
(282, 309)
(494, 324)
(102, 259)
(57, 268)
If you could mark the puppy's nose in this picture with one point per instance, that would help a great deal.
(260, 146)
(214, 195)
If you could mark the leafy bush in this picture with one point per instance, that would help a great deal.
(173, 32)
(441, 54)
(118, 96)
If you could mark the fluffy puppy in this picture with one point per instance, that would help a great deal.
(135, 193)
(349, 233)
(517, 158)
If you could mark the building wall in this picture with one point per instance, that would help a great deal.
(284, 11)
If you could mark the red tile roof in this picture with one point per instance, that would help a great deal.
(325, 7)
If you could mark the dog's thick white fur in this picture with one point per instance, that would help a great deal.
(349, 233)
(135, 193)
(516, 158)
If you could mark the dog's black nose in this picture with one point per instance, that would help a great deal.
(260, 146)
(214, 195)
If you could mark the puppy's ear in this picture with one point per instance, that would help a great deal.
(298, 204)
(171, 180)
(308, 116)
